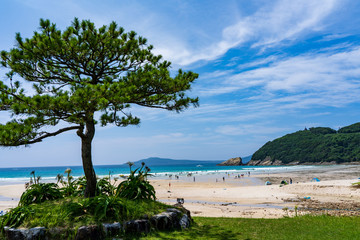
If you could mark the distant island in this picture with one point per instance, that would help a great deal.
(156, 161)
(318, 145)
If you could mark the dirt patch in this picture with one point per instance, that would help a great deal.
(341, 208)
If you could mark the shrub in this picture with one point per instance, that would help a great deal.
(104, 186)
(16, 216)
(137, 186)
(40, 192)
(100, 207)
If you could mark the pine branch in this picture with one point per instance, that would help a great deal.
(46, 135)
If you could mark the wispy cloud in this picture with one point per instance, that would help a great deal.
(269, 26)
(177, 38)
(247, 129)
(322, 77)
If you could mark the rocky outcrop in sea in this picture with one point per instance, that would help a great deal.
(237, 161)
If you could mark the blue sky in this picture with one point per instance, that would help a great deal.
(267, 68)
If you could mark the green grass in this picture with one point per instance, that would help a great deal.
(56, 214)
(302, 228)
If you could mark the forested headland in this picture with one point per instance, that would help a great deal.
(313, 145)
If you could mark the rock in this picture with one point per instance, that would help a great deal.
(25, 234)
(185, 218)
(15, 234)
(137, 226)
(172, 218)
(293, 163)
(165, 220)
(91, 232)
(37, 233)
(111, 229)
(232, 162)
(177, 211)
(57, 233)
(184, 221)
(253, 162)
(277, 163)
(265, 162)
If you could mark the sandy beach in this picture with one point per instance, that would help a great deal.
(250, 197)
(226, 195)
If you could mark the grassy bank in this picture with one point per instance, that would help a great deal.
(304, 227)
(75, 212)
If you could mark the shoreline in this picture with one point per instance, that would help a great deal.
(225, 195)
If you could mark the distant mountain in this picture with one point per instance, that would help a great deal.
(320, 145)
(155, 161)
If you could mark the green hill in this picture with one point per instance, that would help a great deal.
(314, 145)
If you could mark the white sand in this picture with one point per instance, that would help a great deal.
(235, 198)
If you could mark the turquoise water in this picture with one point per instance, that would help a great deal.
(21, 175)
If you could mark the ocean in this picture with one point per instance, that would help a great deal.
(48, 174)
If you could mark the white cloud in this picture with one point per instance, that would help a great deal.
(236, 130)
(269, 26)
(186, 38)
(335, 36)
(325, 77)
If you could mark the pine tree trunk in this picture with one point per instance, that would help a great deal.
(86, 140)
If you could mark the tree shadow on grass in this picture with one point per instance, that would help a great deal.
(196, 231)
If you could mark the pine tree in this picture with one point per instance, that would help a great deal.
(79, 72)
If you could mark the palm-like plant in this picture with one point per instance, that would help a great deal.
(130, 165)
(105, 186)
(136, 186)
(40, 192)
(101, 207)
(69, 187)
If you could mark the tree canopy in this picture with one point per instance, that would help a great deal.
(78, 72)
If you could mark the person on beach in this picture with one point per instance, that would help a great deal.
(290, 181)
(194, 179)
(223, 179)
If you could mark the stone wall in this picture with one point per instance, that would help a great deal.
(171, 219)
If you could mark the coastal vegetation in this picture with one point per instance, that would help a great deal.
(62, 205)
(314, 145)
(83, 77)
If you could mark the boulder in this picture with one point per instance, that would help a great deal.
(15, 234)
(185, 221)
(91, 232)
(58, 233)
(165, 220)
(137, 226)
(112, 229)
(172, 218)
(237, 161)
(37, 233)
